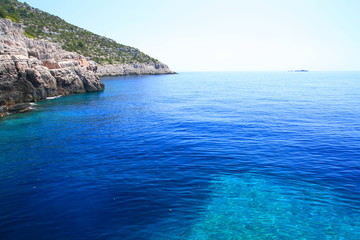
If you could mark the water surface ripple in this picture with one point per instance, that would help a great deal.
(250, 155)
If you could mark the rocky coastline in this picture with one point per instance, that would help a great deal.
(32, 70)
(109, 70)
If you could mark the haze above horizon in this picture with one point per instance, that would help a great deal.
(227, 35)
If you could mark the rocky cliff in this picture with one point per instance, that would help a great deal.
(133, 69)
(102, 50)
(32, 70)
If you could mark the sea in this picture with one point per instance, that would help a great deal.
(208, 155)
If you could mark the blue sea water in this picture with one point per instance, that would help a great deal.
(246, 155)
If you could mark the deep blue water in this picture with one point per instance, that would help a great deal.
(250, 155)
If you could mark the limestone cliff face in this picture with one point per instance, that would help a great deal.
(133, 69)
(32, 70)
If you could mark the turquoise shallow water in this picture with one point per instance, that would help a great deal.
(249, 155)
(256, 207)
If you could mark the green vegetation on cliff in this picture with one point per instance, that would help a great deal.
(42, 25)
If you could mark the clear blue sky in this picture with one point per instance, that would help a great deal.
(223, 35)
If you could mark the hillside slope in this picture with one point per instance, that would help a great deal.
(104, 51)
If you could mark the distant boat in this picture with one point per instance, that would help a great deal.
(300, 70)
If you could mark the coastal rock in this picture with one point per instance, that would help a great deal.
(32, 70)
(133, 69)
(20, 107)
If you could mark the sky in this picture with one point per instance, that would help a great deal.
(226, 35)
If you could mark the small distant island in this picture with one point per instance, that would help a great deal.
(298, 70)
(42, 56)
